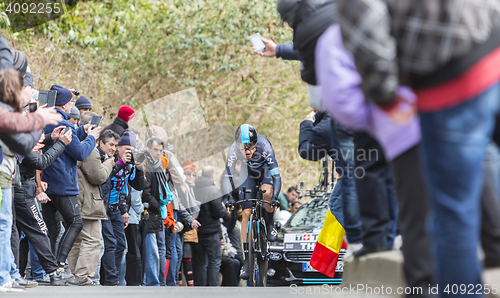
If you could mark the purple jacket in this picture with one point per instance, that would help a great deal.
(342, 97)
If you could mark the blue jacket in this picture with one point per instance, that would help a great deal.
(315, 138)
(61, 175)
(286, 51)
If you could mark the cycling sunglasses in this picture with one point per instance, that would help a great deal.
(248, 146)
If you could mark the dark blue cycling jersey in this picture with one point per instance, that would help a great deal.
(262, 161)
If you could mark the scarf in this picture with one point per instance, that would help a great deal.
(166, 195)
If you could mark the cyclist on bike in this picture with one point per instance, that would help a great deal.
(256, 152)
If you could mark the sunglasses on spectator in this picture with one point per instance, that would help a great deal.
(192, 174)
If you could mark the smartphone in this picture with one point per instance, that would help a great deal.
(33, 106)
(66, 129)
(47, 97)
(96, 121)
(257, 42)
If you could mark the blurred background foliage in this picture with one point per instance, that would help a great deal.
(134, 52)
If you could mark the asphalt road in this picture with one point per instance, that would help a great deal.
(149, 292)
(191, 292)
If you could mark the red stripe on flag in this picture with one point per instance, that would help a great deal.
(324, 260)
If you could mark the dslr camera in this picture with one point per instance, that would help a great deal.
(122, 203)
(137, 156)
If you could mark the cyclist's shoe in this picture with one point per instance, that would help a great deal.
(272, 233)
(244, 271)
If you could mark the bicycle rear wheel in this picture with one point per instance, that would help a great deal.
(252, 255)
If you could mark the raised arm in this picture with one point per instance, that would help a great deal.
(41, 162)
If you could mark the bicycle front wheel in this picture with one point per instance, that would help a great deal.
(252, 254)
(263, 256)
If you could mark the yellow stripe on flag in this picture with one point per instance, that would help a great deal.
(332, 234)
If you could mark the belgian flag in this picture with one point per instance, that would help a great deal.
(328, 246)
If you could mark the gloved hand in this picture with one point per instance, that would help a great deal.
(229, 203)
(275, 202)
(235, 194)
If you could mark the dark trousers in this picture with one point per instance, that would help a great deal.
(14, 237)
(67, 206)
(490, 223)
(413, 210)
(34, 228)
(113, 235)
(208, 259)
(23, 255)
(230, 272)
(133, 275)
(374, 190)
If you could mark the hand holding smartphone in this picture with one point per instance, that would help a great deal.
(33, 106)
(96, 121)
(47, 97)
(257, 42)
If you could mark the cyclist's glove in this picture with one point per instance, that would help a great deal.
(275, 202)
(229, 203)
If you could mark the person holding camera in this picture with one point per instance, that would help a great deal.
(28, 218)
(124, 173)
(84, 255)
(62, 178)
(11, 86)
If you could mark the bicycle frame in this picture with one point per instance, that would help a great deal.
(257, 239)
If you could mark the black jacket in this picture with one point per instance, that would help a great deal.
(211, 209)
(151, 195)
(315, 138)
(119, 126)
(27, 169)
(311, 19)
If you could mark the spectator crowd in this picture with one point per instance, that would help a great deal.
(405, 91)
(85, 205)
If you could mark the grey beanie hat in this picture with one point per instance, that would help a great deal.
(74, 113)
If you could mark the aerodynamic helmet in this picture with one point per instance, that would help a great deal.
(246, 137)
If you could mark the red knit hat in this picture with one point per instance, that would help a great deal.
(126, 113)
